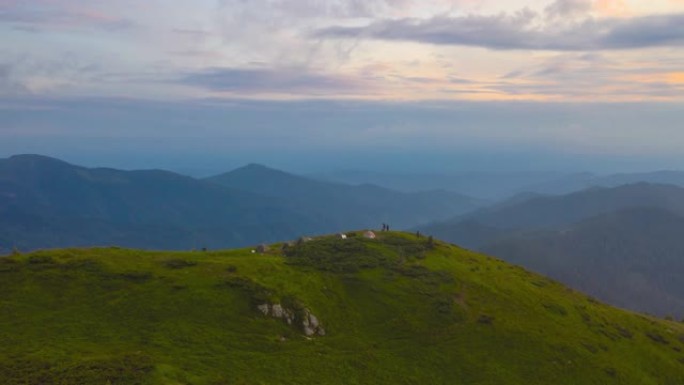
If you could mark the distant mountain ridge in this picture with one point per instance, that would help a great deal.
(624, 245)
(544, 212)
(632, 258)
(354, 205)
(49, 203)
(578, 182)
(45, 203)
(498, 186)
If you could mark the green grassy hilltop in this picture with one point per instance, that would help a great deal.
(394, 310)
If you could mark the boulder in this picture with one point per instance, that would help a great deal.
(277, 311)
(264, 308)
(309, 323)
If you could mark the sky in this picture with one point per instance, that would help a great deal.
(440, 85)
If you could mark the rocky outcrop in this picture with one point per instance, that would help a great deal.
(311, 325)
(304, 319)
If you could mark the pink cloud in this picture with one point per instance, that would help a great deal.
(612, 8)
(56, 14)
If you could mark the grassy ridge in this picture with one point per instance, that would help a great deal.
(396, 310)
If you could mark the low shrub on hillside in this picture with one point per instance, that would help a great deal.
(257, 293)
(126, 369)
(179, 263)
(352, 254)
(135, 276)
(555, 309)
(83, 265)
(8, 264)
(337, 255)
(657, 337)
(40, 260)
(407, 247)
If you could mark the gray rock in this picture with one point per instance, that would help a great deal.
(261, 249)
(309, 322)
(289, 316)
(264, 308)
(313, 321)
(277, 311)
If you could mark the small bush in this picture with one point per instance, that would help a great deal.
(425, 275)
(591, 348)
(624, 332)
(407, 247)
(126, 369)
(40, 260)
(657, 337)
(83, 265)
(447, 308)
(257, 294)
(8, 264)
(592, 300)
(179, 263)
(136, 276)
(555, 309)
(337, 255)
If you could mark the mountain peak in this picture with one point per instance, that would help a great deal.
(34, 158)
(252, 172)
(258, 167)
(39, 163)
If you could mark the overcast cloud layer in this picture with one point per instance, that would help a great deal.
(520, 32)
(544, 75)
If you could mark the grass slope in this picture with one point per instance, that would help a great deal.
(631, 258)
(396, 310)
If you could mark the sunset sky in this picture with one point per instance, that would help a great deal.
(517, 83)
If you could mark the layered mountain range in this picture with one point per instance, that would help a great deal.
(622, 244)
(45, 202)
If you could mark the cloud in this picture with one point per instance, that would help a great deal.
(594, 76)
(52, 15)
(317, 8)
(525, 30)
(28, 74)
(8, 84)
(280, 81)
(568, 8)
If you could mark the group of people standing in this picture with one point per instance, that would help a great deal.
(386, 227)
